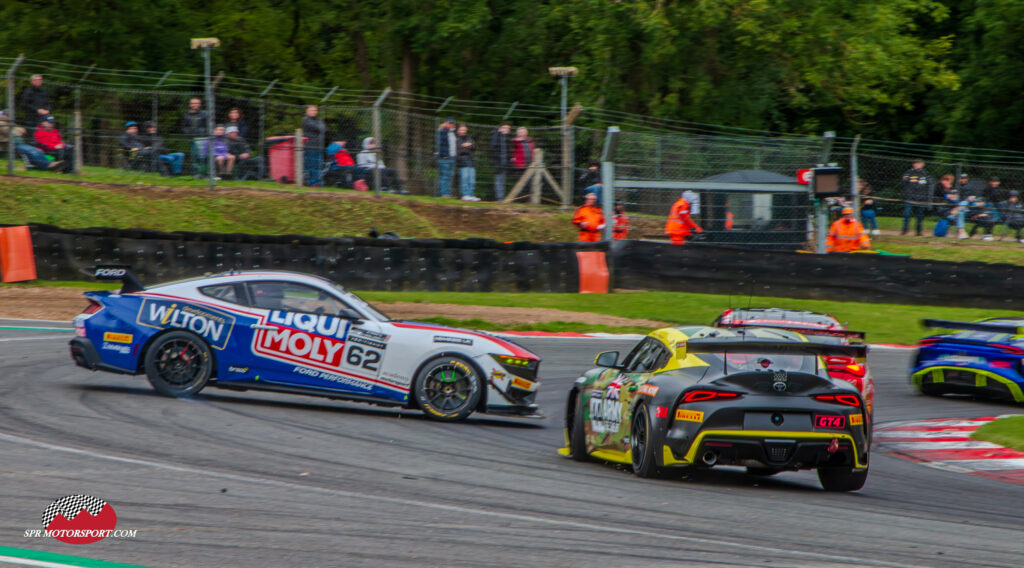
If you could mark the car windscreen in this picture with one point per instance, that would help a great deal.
(729, 363)
(360, 304)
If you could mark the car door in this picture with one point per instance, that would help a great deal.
(611, 396)
(305, 339)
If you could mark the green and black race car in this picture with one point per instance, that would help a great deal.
(697, 397)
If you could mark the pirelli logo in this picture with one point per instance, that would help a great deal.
(690, 415)
(856, 419)
(113, 337)
(521, 383)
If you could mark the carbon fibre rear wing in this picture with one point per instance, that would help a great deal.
(770, 347)
(123, 272)
(974, 326)
(861, 335)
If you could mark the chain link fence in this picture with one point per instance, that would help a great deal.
(93, 110)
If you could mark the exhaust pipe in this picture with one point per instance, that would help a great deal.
(709, 458)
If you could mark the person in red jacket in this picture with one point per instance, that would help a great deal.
(620, 228)
(679, 224)
(590, 220)
(48, 139)
(847, 234)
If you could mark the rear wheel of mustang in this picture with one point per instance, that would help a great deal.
(842, 478)
(178, 364)
(448, 388)
(576, 431)
(641, 449)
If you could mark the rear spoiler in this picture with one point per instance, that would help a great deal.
(768, 347)
(123, 272)
(861, 335)
(974, 326)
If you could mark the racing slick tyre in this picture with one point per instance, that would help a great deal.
(762, 471)
(641, 450)
(841, 478)
(448, 388)
(178, 364)
(576, 432)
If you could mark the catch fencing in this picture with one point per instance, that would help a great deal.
(91, 107)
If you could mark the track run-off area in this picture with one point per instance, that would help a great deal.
(258, 479)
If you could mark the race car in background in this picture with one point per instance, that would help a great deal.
(699, 397)
(984, 358)
(823, 328)
(301, 334)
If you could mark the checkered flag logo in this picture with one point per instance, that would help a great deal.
(70, 505)
(780, 376)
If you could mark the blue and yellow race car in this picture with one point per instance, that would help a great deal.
(982, 358)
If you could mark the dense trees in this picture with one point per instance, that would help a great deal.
(933, 71)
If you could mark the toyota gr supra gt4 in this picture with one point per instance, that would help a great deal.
(297, 333)
(824, 328)
(983, 359)
(699, 397)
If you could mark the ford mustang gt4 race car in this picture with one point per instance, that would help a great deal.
(984, 358)
(824, 328)
(698, 397)
(297, 333)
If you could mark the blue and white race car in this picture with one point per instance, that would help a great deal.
(984, 358)
(300, 334)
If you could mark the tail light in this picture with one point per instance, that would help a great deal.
(926, 342)
(93, 307)
(846, 399)
(1008, 349)
(708, 395)
(1001, 364)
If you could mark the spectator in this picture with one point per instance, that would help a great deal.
(949, 210)
(314, 130)
(171, 162)
(847, 234)
(218, 144)
(522, 151)
(48, 139)
(589, 178)
(131, 143)
(589, 219)
(247, 166)
(446, 148)
(464, 161)
(993, 192)
(1012, 213)
(34, 102)
(942, 188)
(868, 213)
(679, 224)
(594, 190)
(369, 160)
(620, 228)
(501, 158)
(967, 186)
(11, 134)
(916, 188)
(984, 216)
(237, 119)
(194, 122)
(342, 163)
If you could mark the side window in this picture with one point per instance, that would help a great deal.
(650, 359)
(294, 297)
(225, 292)
(662, 359)
(631, 358)
(638, 359)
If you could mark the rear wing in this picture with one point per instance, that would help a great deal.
(974, 326)
(123, 272)
(770, 347)
(859, 335)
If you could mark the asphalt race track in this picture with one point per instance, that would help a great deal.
(253, 479)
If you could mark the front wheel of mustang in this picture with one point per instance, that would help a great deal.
(178, 364)
(641, 448)
(448, 388)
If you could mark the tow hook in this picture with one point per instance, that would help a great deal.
(833, 446)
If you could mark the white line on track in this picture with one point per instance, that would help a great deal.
(785, 552)
(38, 337)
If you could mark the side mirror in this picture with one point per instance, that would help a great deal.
(607, 359)
(350, 314)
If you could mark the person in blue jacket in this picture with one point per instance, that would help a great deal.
(446, 149)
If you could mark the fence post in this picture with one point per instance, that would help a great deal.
(263, 132)
(300, 157)
(611, 139)
(377, 136)
(77, 166)
(11, 115)
(854, 186)
(156, 99)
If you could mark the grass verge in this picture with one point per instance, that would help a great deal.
(1008, 432)
(884, 323)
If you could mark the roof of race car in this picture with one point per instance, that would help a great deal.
(676, 337)
(259, 274)
(778, 316)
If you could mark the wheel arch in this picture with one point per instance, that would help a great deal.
(481, 406)
(140, 365)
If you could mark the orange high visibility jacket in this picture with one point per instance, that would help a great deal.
(621, 226)
(679, 221)
(593, 219)
(846, 235)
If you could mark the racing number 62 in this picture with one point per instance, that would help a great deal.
(362, 357)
